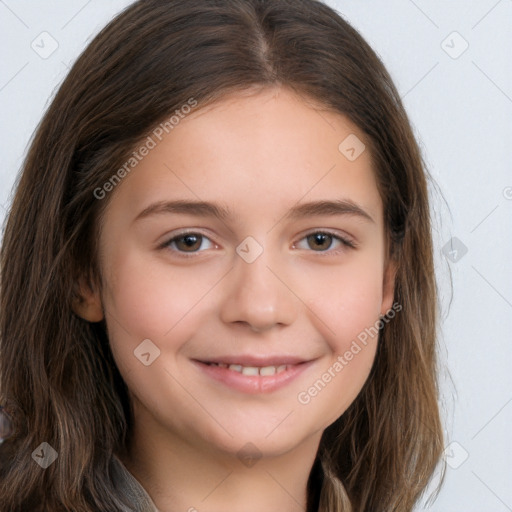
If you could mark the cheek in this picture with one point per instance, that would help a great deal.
(346, 301)
(152, 300)
(345, 309)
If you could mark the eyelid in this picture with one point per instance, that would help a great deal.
(186, 231)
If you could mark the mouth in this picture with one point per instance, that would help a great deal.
(252, 374)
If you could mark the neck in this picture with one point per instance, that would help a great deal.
(198, 477)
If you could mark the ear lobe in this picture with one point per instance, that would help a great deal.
(87, 303)
(388, 287)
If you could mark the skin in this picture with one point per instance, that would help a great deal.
(259, 155)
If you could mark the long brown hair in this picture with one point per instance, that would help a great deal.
(59, 380)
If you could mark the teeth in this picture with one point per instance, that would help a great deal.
(250, 370)
(268, 370)
(253, 370)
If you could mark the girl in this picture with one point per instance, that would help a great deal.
(217, 277)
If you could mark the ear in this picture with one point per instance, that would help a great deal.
(87, 303)
(388, 286)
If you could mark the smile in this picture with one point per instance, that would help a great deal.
(253, 378)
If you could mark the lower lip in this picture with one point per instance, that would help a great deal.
(253, 383)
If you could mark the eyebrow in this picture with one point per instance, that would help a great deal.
(223, 213)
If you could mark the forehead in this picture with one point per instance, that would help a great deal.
(266, 149)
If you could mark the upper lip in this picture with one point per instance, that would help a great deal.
(252, 360)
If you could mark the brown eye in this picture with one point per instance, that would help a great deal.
(188, 243)
(320, 241)
(323, 241)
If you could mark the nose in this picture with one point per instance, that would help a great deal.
(258, 295)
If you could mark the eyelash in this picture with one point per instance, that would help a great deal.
(347, 243)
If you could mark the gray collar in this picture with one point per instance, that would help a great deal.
(135, 497)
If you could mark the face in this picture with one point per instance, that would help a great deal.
(231, 320)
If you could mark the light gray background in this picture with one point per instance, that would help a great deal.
(461, 110)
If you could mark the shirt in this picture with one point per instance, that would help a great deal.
(137, 498)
